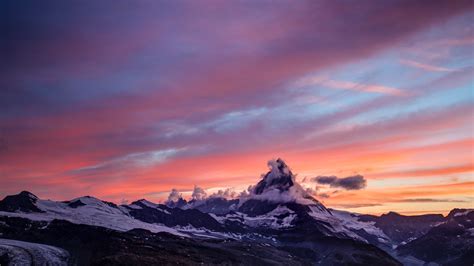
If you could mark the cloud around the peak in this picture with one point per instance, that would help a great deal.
(228, 193)
(355, 182)
(174, 195)
(199, 193)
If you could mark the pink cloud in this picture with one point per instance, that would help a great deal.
(425, 66)
(218, 59)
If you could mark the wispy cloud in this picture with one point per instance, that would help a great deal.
(115, 104)
(428, 200)
(142, 159)
(447, 170)
(423, 66)
(349, 85)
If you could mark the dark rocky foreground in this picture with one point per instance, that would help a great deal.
(90, 245)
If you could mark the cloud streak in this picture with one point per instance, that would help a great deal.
(425, 66)
(349, 85)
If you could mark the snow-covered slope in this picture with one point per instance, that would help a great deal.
(26, 253)
(90, 211)
(279, 218)
(365, 229)
(149, 212)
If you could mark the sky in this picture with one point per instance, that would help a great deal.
(129, 99)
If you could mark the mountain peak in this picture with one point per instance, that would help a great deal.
(458, 212)
(146, 203)
(24, 202)
(392, 214)
(279, 186)
(279, 177)
(28, 194)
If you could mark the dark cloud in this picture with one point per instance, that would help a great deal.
(325, 180)
(349, 183)
(323, 195)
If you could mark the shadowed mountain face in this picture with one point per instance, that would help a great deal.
(219, 206)
(23, 202)
(401, 228)
(277, 223)
(280, 177)
(449, 243)
(92, 245)
(153, 213)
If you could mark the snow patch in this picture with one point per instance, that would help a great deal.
(351, 221)
(148, 204)
(134, 206)
(279, 218)
(464, 213)
(471, 231)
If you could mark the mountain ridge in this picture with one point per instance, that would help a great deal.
(277, 214)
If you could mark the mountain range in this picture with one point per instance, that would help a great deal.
(277, 223)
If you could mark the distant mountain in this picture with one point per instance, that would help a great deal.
(278, 222)
(449, 243)
(22, 202)
(402, 228)
(215, 205)
(148, 212)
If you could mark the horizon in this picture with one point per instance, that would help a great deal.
(188, 196)
(370, 105)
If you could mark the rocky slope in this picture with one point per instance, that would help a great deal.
(449, 243)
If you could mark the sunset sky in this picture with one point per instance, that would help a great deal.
(128, 99)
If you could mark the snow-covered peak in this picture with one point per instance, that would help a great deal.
(90, 202)
(278, 168)
(278, 178)
(87, 200)
(279, 185)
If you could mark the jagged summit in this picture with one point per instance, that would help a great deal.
(279, 186)
(279, 177)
